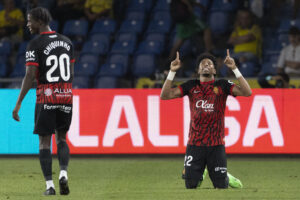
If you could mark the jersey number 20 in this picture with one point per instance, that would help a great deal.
(64, 70)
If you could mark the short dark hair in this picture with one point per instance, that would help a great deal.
(294, 31)
(42, 14)
(207, 56)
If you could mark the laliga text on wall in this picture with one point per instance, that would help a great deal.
(137, 121)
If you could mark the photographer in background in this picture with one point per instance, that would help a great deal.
(281, 81)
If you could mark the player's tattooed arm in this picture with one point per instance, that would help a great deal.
(167, 92)
(243, 89)
(26, 85)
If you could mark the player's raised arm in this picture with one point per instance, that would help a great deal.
(26, 85)
(243, 89)
(167, 92)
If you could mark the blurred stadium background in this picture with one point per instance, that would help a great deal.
(130, 49)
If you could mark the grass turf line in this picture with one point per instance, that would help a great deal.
(149, 178)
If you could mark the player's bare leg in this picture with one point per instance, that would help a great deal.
(46, 163)
(63, 153)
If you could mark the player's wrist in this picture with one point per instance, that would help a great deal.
(171, 75)
(237, 73)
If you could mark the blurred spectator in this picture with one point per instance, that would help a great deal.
(289, 59)
(68, 9)
(281, 81)
(96, 9)
(188, 25)
(257, 8)
(11, 22)
(119, 7)
(246, 38)
(29, 4)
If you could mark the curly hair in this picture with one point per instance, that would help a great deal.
(206, 56)
(41, 14)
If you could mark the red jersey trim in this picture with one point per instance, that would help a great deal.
(47, 32)
(32, 64)
(181, 90)
(207, 82)
(72, 61)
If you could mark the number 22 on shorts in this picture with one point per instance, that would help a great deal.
(188, 160)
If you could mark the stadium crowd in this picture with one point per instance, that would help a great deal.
(130, 43)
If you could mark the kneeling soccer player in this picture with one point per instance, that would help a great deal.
(207, 98)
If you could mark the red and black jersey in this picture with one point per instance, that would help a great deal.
(207, 106)
(52, 54)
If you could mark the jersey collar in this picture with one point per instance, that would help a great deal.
(47, 32)
(208, 82)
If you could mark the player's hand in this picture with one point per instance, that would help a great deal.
(175, 64)
(16, 111)
(229, 61)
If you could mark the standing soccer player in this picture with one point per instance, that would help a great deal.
(49, 58)
(207, 97)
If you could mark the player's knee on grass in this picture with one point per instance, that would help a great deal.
(191, 183)
(221, 183)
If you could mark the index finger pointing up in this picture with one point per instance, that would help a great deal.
(228, 54)
(177, 55)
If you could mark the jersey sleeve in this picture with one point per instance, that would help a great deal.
(227, 86)
(31, 57)
(72, 60)
(185, 88)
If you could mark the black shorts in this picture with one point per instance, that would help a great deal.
(51, 117)
(214, 157)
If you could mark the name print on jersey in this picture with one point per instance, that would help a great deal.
(207, 107)
(54, 45)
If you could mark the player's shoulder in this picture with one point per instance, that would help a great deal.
(64, 38)
(223, 82)
(190, 83)
(36, 42)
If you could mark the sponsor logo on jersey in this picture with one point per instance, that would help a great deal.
(64, 108)
(230, 82)
(48, 92)
(221, 169)
(196, 91)
(62, 92)
(207, 107)
(30, 56)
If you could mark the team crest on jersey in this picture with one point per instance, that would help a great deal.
(216, 90)
(48, 92)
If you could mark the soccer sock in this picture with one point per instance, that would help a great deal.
(46, 163)
(63, 155)
(50, 184)
(63, 173)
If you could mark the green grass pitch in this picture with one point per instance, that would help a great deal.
(149, 178)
